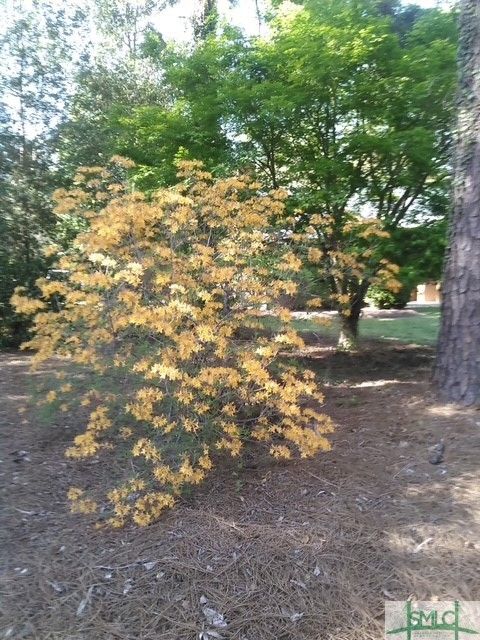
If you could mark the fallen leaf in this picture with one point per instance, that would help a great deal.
(296, 616)
(85, 601)
(299, 583)
(214, 617)
(127, 586)
(421, 545)
(207, 634)
(56, 586)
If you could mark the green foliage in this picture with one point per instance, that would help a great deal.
(117, 75)
(34, 88)
(126, 26)
(95, 129)
(190, 122)
(384, 299)
(419, 253)
(347, 105)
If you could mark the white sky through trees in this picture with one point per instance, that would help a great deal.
(175, 23)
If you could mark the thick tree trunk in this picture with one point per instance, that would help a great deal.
(457, 372)
(348, 338)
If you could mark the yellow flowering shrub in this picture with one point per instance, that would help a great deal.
(163, 296)
(347, 256)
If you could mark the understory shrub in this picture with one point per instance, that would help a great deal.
(155, 294)
(383, 298)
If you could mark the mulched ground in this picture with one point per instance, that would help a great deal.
(304, 550)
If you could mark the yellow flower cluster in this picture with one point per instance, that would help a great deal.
(346, 256)
(163, 298)
(80, 504)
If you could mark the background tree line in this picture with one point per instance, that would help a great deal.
(346, 104)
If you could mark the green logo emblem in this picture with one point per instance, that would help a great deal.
(432, 620)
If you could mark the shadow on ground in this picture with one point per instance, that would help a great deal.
(307, 550)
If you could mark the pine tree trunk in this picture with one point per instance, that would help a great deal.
(457, 372)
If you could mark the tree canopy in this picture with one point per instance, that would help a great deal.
(347, 105)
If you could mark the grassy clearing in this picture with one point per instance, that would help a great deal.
(421, 329)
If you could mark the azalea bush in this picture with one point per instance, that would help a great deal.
(353, 256)
(164, 296)
(344, 260)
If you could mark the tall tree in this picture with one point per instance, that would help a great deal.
(341, 107)
(35, 67)
(188, 123)
(126, 24)
(120, 73)
(458, 363)
(347, 105)
(205, 21)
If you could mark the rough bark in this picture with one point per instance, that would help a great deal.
(348, 338)
(457, 371)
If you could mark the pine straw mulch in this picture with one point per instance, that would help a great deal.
(306, 550)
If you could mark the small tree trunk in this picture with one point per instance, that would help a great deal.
(457, 371)
(348, 338)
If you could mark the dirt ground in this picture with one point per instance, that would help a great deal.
(303, 550)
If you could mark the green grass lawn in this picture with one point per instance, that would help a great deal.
(421, 329)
